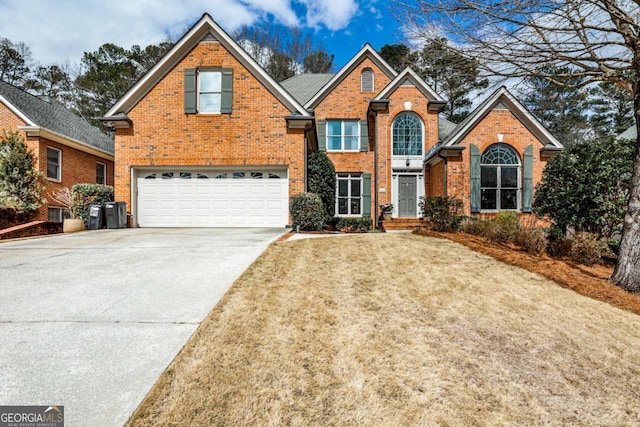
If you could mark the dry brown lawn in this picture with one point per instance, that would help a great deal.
(400, 330)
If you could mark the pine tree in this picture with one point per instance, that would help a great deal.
(21, 184)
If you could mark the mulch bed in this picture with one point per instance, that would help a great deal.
(592, 282)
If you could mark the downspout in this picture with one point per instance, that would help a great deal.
(445, 173)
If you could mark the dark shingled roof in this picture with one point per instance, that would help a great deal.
(303, 86)
(55, 117)
(445, 127)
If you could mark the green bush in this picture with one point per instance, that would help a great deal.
(354, 225)
(532, 240)
(322, 180)
(473, 225)
(89, 194)
(586, 248)
(21, 184)
(441, 213)
(307, 212)
(504, 228)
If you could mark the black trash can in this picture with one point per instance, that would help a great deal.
(96, 217)
(116, 214)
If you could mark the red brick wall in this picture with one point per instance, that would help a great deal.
(419, 106)
(254, 134)
(77, 166)
(483, 135)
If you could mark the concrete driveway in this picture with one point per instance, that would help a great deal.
(90, 320)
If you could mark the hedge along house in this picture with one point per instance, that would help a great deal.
(493, 160)
(68, 149)
(208, 139)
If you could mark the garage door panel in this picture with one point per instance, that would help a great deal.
(232, 202)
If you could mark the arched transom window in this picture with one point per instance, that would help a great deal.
(407, 135)
(500, 178)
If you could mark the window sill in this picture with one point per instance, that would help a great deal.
(54, 179)
(344, 151)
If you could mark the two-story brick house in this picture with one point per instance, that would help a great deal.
(207, 138)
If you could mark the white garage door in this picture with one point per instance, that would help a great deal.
(251, 198)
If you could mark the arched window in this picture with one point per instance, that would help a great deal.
(407, 135)
(500, 178)
(366, 80)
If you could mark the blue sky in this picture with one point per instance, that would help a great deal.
(61, 30)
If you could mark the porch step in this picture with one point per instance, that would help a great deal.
(402, 223)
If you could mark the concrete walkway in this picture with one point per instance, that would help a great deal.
(90, 320)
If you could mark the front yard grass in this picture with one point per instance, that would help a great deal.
(400, 329)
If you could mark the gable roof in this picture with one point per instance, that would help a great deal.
(304, 86)
(408, 76)
(366, 52)
(53, 117)
(445, 127)
(504, 97)
(205, 28)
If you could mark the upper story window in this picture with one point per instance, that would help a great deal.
(343, 135)
(366, 83)
(500, 178)
(54, 161)
(101, 173)
(407, 135)
(208, 90)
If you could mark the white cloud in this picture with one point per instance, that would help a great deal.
(62, 30)
(333, 14)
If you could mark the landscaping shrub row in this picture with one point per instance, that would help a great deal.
(444, 214)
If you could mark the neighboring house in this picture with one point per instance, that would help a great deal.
(631, 133)
(68, 150)
(207, 138)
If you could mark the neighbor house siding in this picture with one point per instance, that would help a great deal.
(255, 133)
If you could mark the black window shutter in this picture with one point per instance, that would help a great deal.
(322, 135)
(190, 95)
(366, 195)
(527, 178)
(475, 178)
(226, 101)
(364, 135)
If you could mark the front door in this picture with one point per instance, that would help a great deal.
(407, 196)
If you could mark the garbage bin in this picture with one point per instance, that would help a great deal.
(96, 217)
(116, 214)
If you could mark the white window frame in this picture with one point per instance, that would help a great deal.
(58, 178)
(342, 132)
(393, 135)
(200, 92)
(498, 187)
(104, 174)
(349, 177)
(373, 80)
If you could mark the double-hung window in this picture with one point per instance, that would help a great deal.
(349, 194)
(500, 178)
(101, 173)
(54, 160)
(343, 135)
(209, 91)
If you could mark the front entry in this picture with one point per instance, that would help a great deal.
(407, 196)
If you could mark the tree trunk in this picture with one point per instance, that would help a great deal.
(627, 272)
